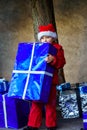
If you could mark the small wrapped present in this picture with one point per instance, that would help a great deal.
(4, 85)
(13, 112)
(32, 75)
(68, 104)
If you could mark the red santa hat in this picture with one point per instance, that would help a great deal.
(47, 30)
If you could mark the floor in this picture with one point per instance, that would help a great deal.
(68, 124)
(63, 124)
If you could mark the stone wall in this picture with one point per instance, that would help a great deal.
(71, 20)
(16, 26)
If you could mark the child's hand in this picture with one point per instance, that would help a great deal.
(49, 58)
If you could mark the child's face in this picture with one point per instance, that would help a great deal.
(47, 39)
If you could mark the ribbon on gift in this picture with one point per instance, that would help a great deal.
(4, 109)
(84, 120)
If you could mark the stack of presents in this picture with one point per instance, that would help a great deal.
(31, 80)
(26, 84)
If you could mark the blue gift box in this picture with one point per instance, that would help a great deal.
(13, 112)
(32, 75)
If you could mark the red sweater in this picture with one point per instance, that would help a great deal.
(59, 62)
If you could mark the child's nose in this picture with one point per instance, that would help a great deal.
(45, 39)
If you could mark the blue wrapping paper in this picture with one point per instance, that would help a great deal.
(85, 120)
(63, 86)
(32, 75)
(13, 112)
(83, 89)
(83, 96)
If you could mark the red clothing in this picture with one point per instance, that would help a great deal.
(35, 116)
(58, 63)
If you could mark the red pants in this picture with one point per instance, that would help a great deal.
(35, 116)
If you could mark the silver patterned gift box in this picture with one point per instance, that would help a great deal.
(68, 104)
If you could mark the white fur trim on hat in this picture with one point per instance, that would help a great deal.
(47, 33)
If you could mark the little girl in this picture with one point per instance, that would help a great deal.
(47, 34)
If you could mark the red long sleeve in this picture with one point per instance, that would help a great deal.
(59, 62)
(59, 59)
